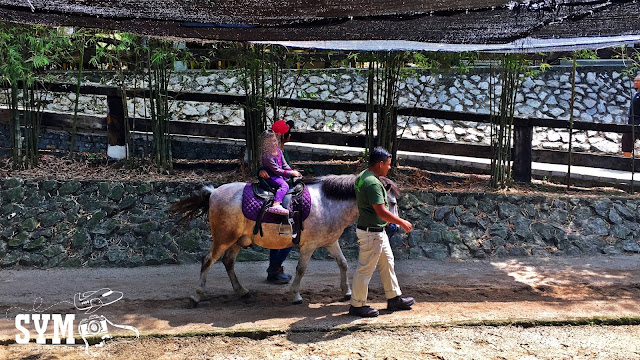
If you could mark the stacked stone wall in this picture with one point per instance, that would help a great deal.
(49, 223)
(602, 95)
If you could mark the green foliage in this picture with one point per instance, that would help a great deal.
(632, 55)
(161, 56)
(306, 95)
(586, 54)
(253, 72)
(437, 62)
(581, 55)
(26, 52)
(512, 67)
(113, 47)
(80, 40)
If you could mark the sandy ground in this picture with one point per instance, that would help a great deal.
(464, 310)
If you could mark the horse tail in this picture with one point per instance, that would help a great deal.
(194, 206)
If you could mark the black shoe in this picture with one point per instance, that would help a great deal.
(278, 276)
(400, 303)
(363, 311)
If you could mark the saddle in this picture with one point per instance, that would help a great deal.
(262, 189)
(265, 193)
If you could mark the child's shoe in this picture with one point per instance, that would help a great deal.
(278, 210)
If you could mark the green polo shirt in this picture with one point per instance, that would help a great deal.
(369, 192)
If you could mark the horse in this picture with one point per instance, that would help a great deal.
(333, 208)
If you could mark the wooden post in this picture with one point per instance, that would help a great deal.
(522, 153)
(117, 147)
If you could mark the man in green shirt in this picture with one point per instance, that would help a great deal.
(373, 241)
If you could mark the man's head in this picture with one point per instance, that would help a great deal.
(287, 136)
(380, 161)
(636, 83)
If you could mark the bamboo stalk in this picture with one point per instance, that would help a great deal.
(633, 141)
(74, 123)
(573, 98)
(16, 135)
(27, 125)
(369, 141)
(492, 134)
(502, 123)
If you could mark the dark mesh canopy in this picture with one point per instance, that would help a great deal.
(438, 21)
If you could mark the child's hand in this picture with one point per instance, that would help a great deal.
(295, 173)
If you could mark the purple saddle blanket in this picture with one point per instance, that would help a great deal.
(251, 206)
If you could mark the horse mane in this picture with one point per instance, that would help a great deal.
(336, 187)
(342, 187)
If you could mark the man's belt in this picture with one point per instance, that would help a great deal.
(371, 229)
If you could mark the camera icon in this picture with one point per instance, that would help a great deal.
(95, 325)
(95, 328)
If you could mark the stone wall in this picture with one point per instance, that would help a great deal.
(97, 143)
(602, 95)
(49, 223)
(466, 225)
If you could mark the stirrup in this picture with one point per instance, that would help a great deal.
(286, 229)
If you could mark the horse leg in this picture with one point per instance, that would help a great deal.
(303, 261)
(229, 261)
(336, 252)
(207, 261)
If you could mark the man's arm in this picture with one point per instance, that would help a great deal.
(634, 117)
(388, 216)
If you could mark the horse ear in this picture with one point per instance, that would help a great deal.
(390, 186)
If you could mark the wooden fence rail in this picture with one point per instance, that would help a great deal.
(522, 153)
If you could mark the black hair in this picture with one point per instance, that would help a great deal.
(291, 126)
(378, 154)
(288, 133)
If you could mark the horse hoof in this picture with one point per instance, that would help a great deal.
(346, 297)
(246, 295)
(296, 299)
(193, 303)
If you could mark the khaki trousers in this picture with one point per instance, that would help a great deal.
(375, 251)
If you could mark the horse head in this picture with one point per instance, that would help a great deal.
(393, 193)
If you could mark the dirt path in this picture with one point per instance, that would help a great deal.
(448, 293)
(450, 343)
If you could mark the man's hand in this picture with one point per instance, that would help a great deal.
(389, 217)
(406, 226)
(263, 174)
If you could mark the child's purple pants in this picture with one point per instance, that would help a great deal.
(283, 187)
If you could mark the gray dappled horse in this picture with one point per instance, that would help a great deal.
(333, 208)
